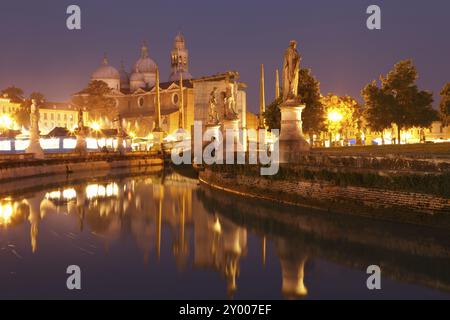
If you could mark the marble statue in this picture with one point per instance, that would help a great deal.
(229, 102)
(291, 68)
(35, 147)
(213, 115)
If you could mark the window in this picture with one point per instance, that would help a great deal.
(52, 116)
(45, 116)
(65, 117)
(141, 102)
(175, 99)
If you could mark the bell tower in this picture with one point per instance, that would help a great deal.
(179, 59)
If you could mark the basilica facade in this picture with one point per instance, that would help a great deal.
(183, 98)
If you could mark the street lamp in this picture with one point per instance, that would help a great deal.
(334, 117)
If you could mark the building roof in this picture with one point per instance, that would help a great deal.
(219, 76)
(60, 132)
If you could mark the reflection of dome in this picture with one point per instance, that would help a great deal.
(106, 72)
(145, 64)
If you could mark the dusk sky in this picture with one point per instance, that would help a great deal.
(38, 52)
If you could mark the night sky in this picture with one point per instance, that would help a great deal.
(38, 52)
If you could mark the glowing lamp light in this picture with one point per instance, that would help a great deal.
(95, 126)
(6, 213)
(335, 116)
(6, 122)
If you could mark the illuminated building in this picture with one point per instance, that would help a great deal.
(59, 114)
(134, 93)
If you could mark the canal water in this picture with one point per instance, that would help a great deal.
(161, 235)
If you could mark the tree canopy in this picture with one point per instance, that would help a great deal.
(13, 93)
(95, 96)
(444, 105)
(313, 114)
(22, 116)
(398, 100)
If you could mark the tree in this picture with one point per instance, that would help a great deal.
(13, 93)
(22, 115)
(444, 106)
(272, 115)
(313, 114)
(343, 115)
(377, 108)
(95, 96)
(399, 100)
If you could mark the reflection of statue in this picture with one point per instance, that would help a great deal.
(213, 115)
(229, 103)
(291, 68)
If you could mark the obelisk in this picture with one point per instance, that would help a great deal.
(157, 131)
(262, 99)
(277, 85)
(262, 108)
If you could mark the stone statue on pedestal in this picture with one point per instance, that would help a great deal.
(80, 133)
(213, 115)
(35, 146)
(291, 140)
(291, 68)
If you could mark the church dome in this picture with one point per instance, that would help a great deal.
(145, 64)
(106, 72)
(137, 76)
(137, 80)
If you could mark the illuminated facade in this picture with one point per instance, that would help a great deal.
(134, 93)
(59, 114)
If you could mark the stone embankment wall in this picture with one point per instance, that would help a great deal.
(407, 190)
(26, 168)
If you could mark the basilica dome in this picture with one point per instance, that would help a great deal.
(105, 71)
(137, 80)
(145, 64)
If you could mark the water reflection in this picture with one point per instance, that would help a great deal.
(206, 230)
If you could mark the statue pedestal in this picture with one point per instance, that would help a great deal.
(158, 136)
(291, 141)
(213, 131)
(81, 146)
(35, 146)
(230, 131)
(36, 149)
(262, 138)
